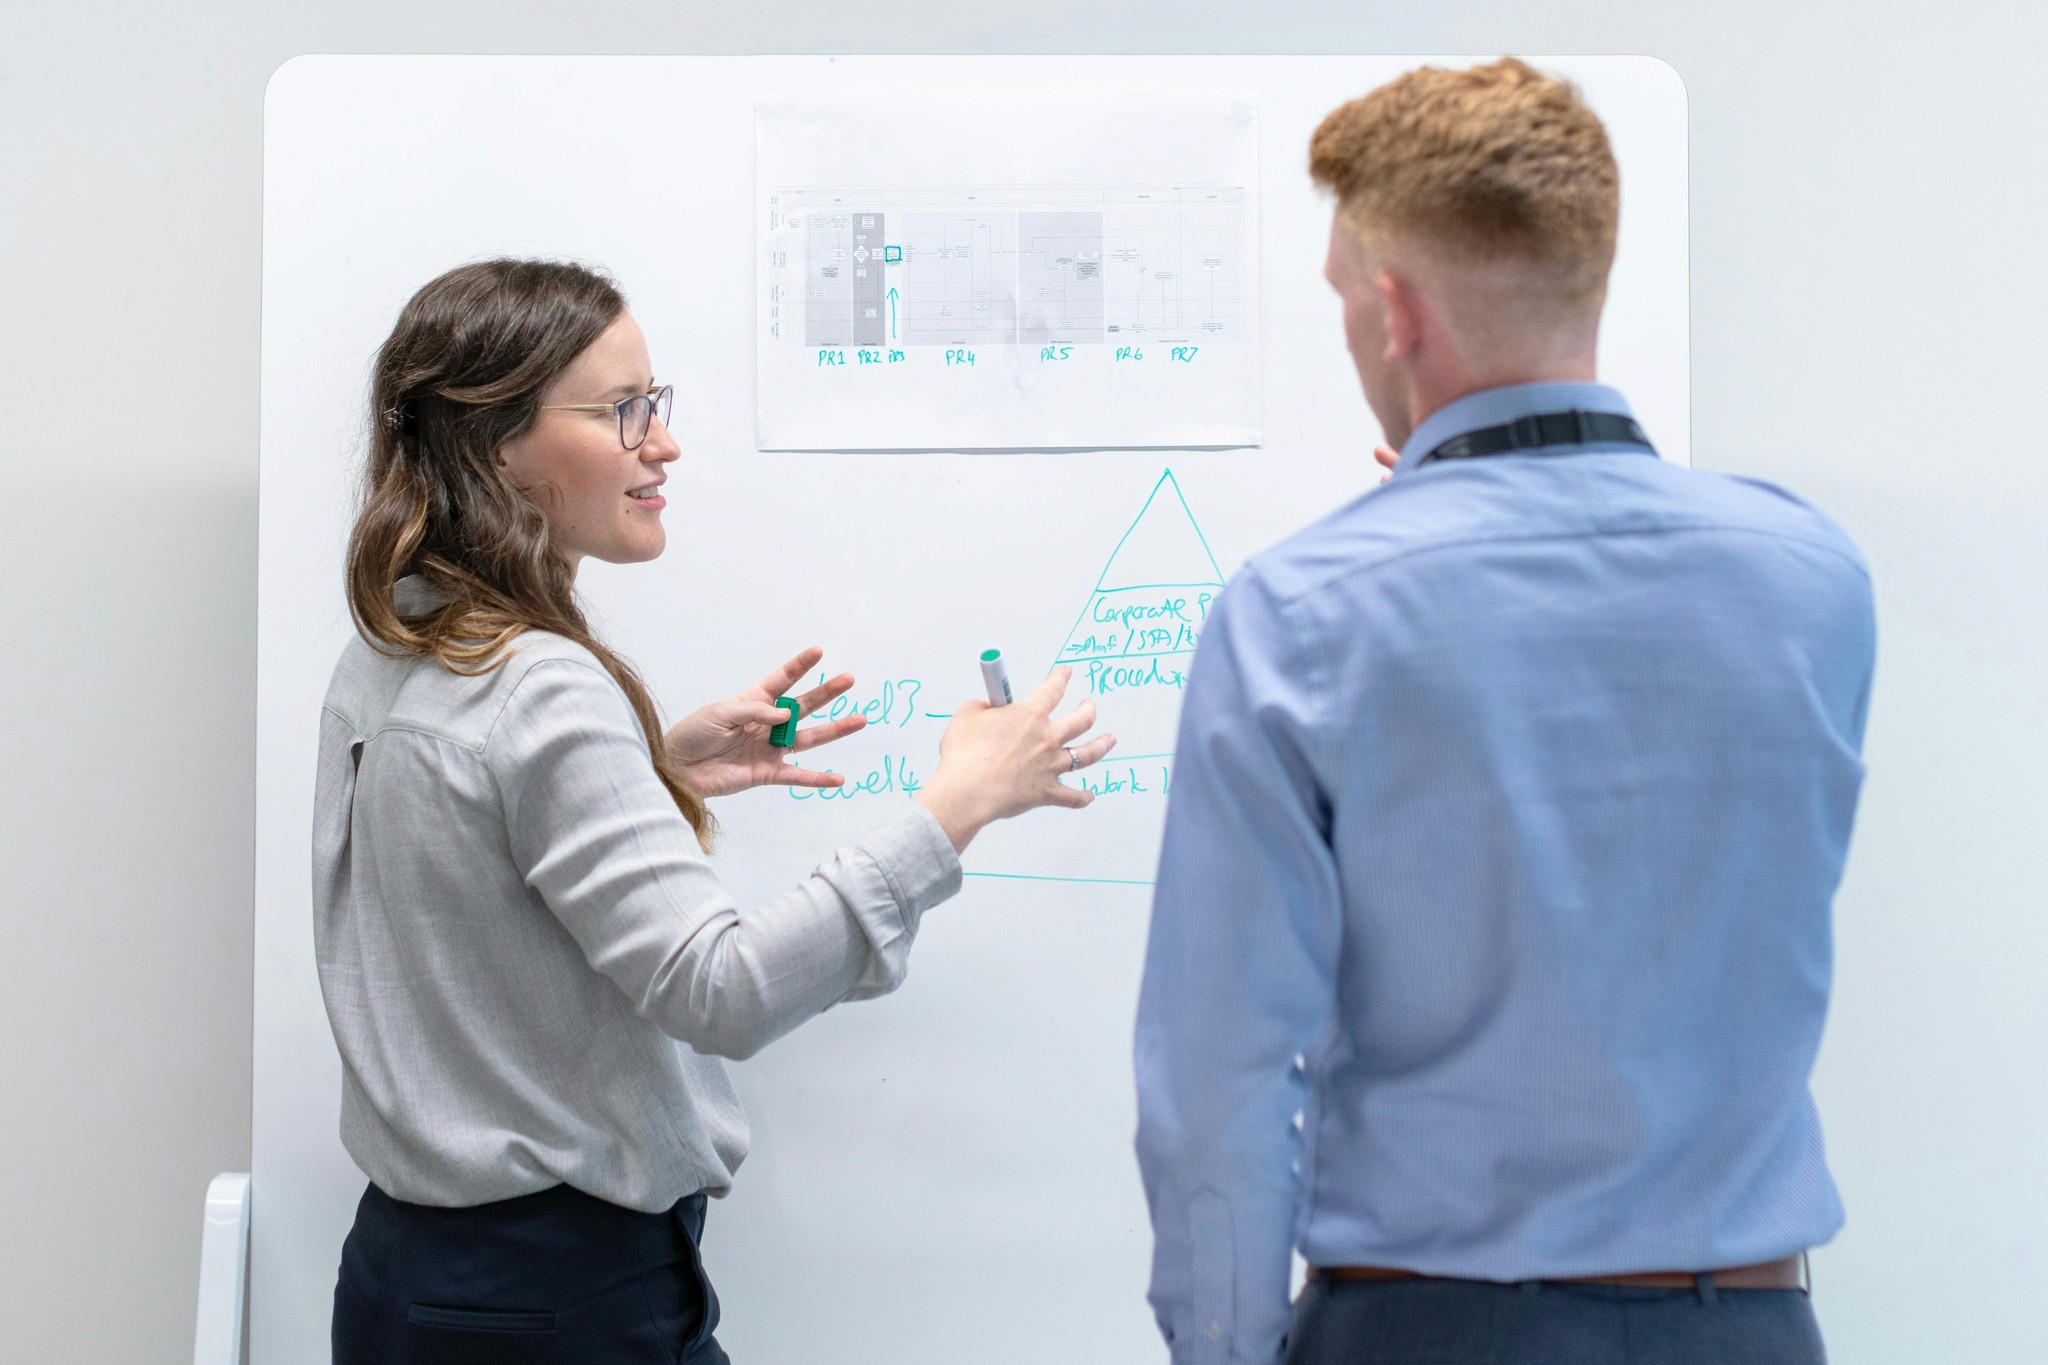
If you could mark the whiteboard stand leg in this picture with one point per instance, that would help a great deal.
(223, 1272)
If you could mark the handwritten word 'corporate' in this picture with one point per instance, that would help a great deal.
(1118, 609)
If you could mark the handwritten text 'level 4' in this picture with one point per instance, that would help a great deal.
(893, 775)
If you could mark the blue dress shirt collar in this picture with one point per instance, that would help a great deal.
(1495, 407)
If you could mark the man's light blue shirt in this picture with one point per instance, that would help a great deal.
(1491, 936)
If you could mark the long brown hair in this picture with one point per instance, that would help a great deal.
(462, 373)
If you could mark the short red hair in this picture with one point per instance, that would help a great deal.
(1490, 164)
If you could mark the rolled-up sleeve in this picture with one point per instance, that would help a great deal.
(596, 835)
(1239, 981)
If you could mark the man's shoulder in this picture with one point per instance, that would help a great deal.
(1767, 508)
(1441, 512)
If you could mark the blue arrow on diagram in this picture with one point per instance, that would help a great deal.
(892, 312)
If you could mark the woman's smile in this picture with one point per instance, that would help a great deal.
(572, 459)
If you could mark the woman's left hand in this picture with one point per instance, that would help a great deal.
(723, 748)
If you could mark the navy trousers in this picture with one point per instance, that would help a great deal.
(1467, 1322)
(555, 1276)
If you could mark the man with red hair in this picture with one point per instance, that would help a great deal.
(1491, 944)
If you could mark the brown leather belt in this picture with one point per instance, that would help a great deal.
(1786, 1273)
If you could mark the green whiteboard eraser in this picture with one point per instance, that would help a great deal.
(783, 736)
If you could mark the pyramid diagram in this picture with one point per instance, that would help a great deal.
(1132, 643)
(1130, 649)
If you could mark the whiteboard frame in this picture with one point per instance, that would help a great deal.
(304, 1188)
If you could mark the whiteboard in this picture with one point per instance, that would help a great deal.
(926, 1163)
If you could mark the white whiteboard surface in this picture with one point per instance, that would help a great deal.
(926, 1165)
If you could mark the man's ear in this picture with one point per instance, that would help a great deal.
(1404, 314)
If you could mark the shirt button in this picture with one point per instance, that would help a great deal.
(1215, 1330)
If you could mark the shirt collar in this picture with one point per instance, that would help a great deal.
(413, 595)
(1495, 407)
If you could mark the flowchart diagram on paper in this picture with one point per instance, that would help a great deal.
(960, 271)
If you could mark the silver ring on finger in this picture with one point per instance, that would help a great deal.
(1073, 760)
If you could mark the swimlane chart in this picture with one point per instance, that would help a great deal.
(1034, 266)
(954, 271)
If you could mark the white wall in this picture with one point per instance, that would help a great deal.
(1867, 304)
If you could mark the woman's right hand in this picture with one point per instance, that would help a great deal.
(1000, 761)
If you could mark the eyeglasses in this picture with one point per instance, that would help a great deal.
(634, 413)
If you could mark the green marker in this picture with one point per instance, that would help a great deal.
(995, 677)
(783, 736)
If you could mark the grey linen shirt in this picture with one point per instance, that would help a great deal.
(530, 968)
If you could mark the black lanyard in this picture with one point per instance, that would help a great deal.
(1571, 428)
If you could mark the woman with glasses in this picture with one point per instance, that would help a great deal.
(530, 968)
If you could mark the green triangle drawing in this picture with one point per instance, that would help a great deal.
(1155, 592)
(1130, 650)
(1162, 546)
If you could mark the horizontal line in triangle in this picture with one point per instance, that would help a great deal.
(1156, 654)
(1142, 587)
